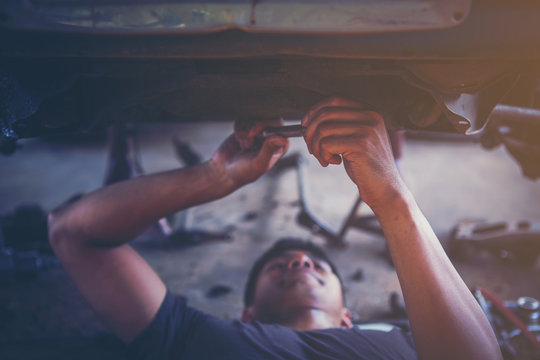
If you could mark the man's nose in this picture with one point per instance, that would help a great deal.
(300, 261)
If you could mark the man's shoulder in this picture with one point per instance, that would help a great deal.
(179, 331)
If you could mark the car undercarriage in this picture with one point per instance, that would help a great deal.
(64, 72)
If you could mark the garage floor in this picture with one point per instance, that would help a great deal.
(47, 318)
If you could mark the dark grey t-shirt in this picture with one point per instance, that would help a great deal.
(181, 332)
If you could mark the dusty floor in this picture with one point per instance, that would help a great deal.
(47, 318)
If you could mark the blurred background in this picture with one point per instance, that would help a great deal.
(96, 91)
(207, 256)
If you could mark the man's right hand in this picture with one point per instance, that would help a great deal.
(240, 162)
(339, 129)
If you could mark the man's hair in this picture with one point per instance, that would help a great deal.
(281, 246)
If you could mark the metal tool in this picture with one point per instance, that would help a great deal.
(515, 324)
(285, 131)
(517, 241)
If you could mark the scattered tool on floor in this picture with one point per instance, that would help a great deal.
(516, 324)
(515, 241)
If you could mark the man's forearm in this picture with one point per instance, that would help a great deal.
(447, 322)
(117, 213)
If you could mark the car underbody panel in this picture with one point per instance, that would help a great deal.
(442, 69)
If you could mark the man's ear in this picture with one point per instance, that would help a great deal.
(346, 318)
(248, 315)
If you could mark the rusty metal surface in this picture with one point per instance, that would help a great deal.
(492, 30)
(74, 95)
(465, 92)
(469, 112)
(359, 16)
(444, 80)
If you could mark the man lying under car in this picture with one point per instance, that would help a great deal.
(294, 307)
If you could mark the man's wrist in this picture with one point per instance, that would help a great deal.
(396, 200)
(218, 174)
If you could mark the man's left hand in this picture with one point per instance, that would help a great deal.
(241, 161)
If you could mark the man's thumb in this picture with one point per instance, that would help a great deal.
(272, 150)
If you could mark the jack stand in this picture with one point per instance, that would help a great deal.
(124, 162)
(307, 219)
(367, 223)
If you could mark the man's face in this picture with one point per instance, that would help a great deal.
(295, 281)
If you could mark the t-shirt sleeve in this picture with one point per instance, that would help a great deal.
(169, 331)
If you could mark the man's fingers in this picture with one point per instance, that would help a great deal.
(334, 146)
(273, 148)
(336, 128)
(355, 117)
(336, 118)
(241, 130)
(246, 130)
(332, 102)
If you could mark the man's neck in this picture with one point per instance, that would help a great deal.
(306, 319)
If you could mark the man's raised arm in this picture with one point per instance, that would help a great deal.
(89, 236)
(446, 321)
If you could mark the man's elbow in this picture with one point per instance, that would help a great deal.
(60, 236)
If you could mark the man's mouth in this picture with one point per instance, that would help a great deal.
(299, 275)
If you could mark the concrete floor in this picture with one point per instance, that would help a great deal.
(451, 181)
